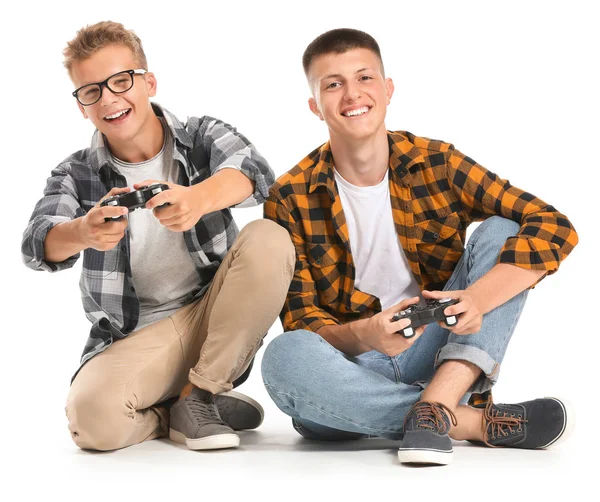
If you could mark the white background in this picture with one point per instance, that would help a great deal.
(514, 85)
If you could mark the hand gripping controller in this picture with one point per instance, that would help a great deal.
(426, 314)
(134, 200)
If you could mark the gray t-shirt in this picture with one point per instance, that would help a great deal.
(164, 273)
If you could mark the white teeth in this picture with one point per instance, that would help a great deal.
(116, 115)
(358, 111)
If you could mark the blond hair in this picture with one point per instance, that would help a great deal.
(97, 36)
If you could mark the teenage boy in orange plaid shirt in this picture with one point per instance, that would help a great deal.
(377, 218)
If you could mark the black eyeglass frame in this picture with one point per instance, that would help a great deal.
(104, 83)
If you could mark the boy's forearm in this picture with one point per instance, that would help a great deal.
(345, 337)
(224, 189)
(502, 283)
(63, 241)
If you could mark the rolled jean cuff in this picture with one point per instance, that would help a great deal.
(476, 356)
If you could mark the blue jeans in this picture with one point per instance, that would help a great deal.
(332, 396)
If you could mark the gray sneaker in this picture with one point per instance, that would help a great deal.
(195, 422)
(239, 411)
(426, 439)
(536, 424)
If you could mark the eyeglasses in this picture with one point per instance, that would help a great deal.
(117, 84)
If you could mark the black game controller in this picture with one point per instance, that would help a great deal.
(134, 200)
(420, 315)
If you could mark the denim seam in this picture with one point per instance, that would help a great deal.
(519, 312)
(455, 275)
(297, 398)
(396, 369)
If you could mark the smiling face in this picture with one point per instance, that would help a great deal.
(122, 118)
(350, 94)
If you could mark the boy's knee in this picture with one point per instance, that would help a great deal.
(266, 238)
(267, 233)
(497, 229)
(98, 420)
(491, 235)
(283, 354)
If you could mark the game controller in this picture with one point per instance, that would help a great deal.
(134, 200)
(420, 315)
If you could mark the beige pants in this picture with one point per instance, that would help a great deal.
(111, 401)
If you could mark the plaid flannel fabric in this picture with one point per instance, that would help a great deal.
(436, 192)
(203, 146)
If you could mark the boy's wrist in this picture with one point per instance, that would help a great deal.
(357, 329)
(76, 231)
(203, 198)
(64, 240)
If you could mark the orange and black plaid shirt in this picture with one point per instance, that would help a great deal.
(436, 192)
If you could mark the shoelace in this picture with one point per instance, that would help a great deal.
(431, 416)
(204, 412)
(500, 423)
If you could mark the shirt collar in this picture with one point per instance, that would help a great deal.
(322, 173)
(100, 154)
(404, 155)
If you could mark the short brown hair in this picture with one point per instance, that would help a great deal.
(94, 37)
(339, 41)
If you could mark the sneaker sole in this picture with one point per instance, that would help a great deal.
(239, 411)
(433, 457)
(220, 441)
(569, 424)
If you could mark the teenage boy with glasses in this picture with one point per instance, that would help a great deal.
(378, 217)
(170, 290)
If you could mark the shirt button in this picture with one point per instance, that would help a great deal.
(318, 261)
(436, 235)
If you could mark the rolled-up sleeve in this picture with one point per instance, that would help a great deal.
(546, 236)
(59, 204)
(228, 149)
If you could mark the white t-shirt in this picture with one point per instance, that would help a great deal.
(382, 269)
(164, 274)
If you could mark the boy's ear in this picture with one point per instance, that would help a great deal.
(312, 104)
(151, 84)
(389, 89)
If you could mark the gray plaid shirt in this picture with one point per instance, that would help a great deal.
(203, 146)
